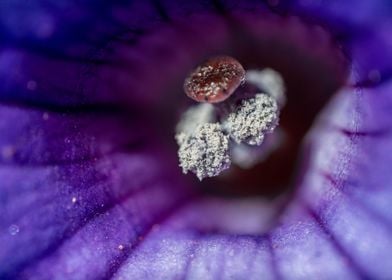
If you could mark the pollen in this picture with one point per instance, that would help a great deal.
(250, 121)
(205, 152)
(194, 116)
(214, 80)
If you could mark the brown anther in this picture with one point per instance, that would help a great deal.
(214, 80)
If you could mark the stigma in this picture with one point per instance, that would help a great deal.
(214, 80)
(210, 133)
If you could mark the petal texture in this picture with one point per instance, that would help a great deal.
(88, 189)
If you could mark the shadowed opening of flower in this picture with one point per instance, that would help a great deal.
(239, 123)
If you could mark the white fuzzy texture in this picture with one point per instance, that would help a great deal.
(269, 81)
(205, 151)
(250, 121)
(194, 116)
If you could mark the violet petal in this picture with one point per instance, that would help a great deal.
(87, 207)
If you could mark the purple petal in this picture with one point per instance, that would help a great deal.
(344, 16)
(362, 27)
(85, 195)
(347, 192)
(44, 137)
(91, 207)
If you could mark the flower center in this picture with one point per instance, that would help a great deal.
(312, 68)
(204, 132)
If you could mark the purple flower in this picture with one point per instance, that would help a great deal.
(90, 186)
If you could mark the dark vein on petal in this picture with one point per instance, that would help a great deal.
(164, 216)
(219, 7)
(34, 207)
(91, 59)
(136, 144)
(274, 261)
(51, 54)
(43, 50)
(258, 241)
(96, 108)
(356, 134)
(357, 269)
(191, 255)
(279, 8)
(56, 244)
(220, 261)
(335, 183)
(161, 11)
(136, 34)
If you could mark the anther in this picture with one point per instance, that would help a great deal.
(205, 152)
(214, 80)
(268, 81)
(194, 116)
(250, 121)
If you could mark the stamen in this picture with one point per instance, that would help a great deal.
(252, 119)
(205, 151)
(195, 115)
(270, 82)
(246, 156)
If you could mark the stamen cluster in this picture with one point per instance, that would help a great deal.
(207, 133)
